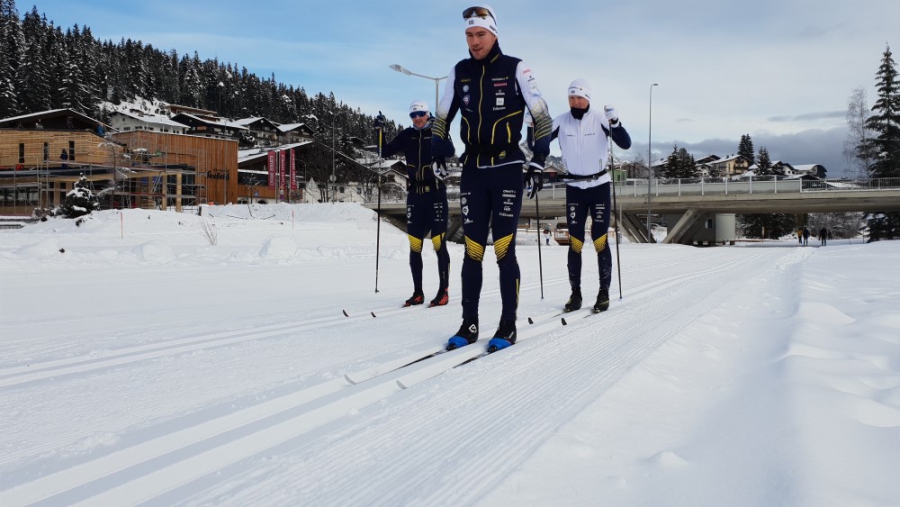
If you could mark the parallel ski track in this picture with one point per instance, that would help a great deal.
(19, 375)
(189, 454)
(397, 450)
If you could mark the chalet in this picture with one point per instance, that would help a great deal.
(125, 121)
(817, 170)
(730, 166)
(264, 130)
(294, 133)
(211, 127)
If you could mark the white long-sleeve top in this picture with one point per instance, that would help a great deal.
(584, 144)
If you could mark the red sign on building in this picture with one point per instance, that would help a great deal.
(271, 167)
(293, 169)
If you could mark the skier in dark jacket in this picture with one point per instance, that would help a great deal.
(806, 236)
(491, 91)
(426, 202)
(823, 236)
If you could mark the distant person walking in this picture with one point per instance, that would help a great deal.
(800, 236)
(64, 156)
(547, 236)
(823, 236)
(806, 236)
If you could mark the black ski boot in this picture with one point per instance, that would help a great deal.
(467, 334)
(504, 337)
(442, 298)
(602, 303)
(416, 299)
(574, 302)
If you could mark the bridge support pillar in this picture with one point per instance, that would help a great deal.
(632, 227)
(687, 226)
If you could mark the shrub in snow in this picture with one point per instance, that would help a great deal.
(79, 201)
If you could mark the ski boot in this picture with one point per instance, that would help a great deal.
(574, 302)
(602, 303)
(467, 334)
(416, 299)
(504, 337)
(443, 296)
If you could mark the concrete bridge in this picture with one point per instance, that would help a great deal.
(695, 201)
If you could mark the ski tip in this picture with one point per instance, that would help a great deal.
(400, 385)
(373, 315)
(345, 313)
(564, 321)
(349, 380)
(530, 321)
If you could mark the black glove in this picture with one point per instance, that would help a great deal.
(380, 120)
(534, 180)
(439, 166)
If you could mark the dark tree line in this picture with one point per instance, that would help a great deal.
(45, 67)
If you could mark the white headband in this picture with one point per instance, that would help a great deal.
(487, 22)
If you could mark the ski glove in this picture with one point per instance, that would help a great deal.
(611, 115)
(534, 180)
(439, 166)
(379, 121)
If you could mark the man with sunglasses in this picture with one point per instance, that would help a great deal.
(491, 91)
(426, 202)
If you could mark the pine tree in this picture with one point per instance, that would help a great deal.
(886, 120)
(886, 123)
(12, 53)
(36, 94)
(79, 201)
(745, 148)
(764, 163)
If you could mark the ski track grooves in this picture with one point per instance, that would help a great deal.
(512, 439)
(321, 404)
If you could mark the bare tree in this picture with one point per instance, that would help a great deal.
(858, 147)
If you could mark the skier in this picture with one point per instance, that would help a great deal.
(823, 236)
(806, 236)
(583, 134)
(491, 90)
(426, 202)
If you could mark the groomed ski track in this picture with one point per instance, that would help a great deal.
(317, 434)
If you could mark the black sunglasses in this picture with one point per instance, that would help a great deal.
(417, 114)
(481, 12)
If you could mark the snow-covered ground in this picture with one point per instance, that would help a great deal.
(140, 364)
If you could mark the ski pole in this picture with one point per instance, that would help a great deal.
(380, 132)
(537, 211)
(612, 168)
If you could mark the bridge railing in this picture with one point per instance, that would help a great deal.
(752, 185)
(721, 186)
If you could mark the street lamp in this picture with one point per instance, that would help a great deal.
(436, 80)
(333, 177)
(650, 164)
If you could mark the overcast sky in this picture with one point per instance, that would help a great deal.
(779, 70)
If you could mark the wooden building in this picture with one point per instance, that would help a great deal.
(201, 169)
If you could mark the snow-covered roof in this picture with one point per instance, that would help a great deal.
(809, 168)
(287, 127)
(152, 118)
(255, 153)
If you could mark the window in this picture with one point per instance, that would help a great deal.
(46, 151)
(72, 150)
(127, 128)
(21, 153)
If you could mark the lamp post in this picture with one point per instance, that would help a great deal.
(436, 80)
(333, 177)
(650, 164)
